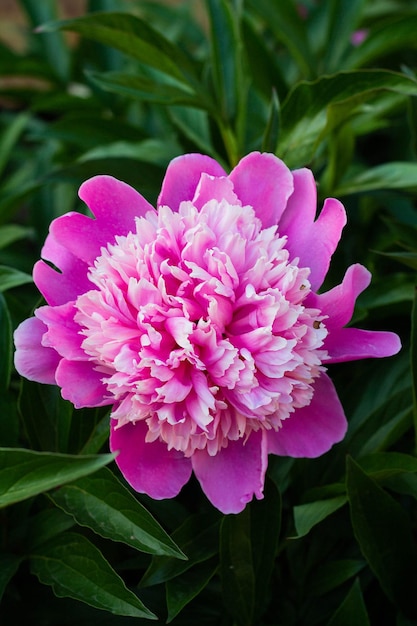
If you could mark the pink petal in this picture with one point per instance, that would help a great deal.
(313, 242)
(235, 474)
(312, 430)
(81, 384)
(265, 183)
(63, 334)
(114, 205)
(351, 344)
(182, 177)
(148, 467)
(59, 287)
(214, 188)
(338, 303)
(32, 360)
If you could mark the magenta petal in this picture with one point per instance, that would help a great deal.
(312, 430)
(338, 303)
(32, 360)
(81, 384)
(265, 183)
(62, 332)
(351, 344)
(182, 177)
(214, 188)
(235, 474)
(312, 242)
(148, 467)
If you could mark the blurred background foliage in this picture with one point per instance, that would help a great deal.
(121, 87)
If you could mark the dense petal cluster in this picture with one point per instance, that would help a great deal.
(200, 323)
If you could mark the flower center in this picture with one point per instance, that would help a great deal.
(198, 325)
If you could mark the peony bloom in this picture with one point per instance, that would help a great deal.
(200, 323)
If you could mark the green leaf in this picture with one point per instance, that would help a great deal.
(383, 531)
(304, 111)
(333, 574)
(10, 277)
(133, 36)
(102, 503)
(75, 568)
(344, 15)
(413, 364)
(352, 610)
(6, 346)
(226, 56)
(197, 537)
(11, 233)
(181, 590)
(147, 89)
(306, 516)
(47, 524)
(9, 138)
(9, 564)
(394, 175)
(236, 567)
(272, 130)
(25, 473)
(406, 258)
(381, 465)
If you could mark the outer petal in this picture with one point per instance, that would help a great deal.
(312, 242)
(114, 205)
(81, 384)
(235, 474)
(312, 430)
(264, 182)
(63, 334)
(351, 344)
(339, 302)
(182, 177)
(149, 467)
(32, 360)
(214, 188)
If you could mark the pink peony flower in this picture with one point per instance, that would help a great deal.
(200, 323)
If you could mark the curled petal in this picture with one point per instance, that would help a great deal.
(63, 333)
(265, 183)
(351, 344)
(33, 360)
(314, 429)
(338, 303)
(182, 177)
(148, 467)
(235, 474)
(313, 242)
(81, 384)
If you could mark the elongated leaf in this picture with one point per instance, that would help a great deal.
(344, 16)
(413, 362)
(352, 610)
(5, 345)
(272, 130)
(182, 589)
(385, 464)
(226, 55)
(147, 89)
(10, 277)
(197, 537)
(236, 567)
(134, 37)
(102, 503)
(75, 568)
(383, 531)
(25, 473)
(394, 175)
(9, 564)
(333, 574)
(306, 516)
(9, 138)
(303, 113)
(11, 233)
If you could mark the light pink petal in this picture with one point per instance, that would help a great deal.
(63, 333)
(148, 467)
(338, 303)
(235, 474)
(114, 205)
(214, 188)
(351, 344)
(182, 177)
(59, 287)
(312, 242)
(265, 183)
(32, 360)
(81, 384)
(312, 430)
